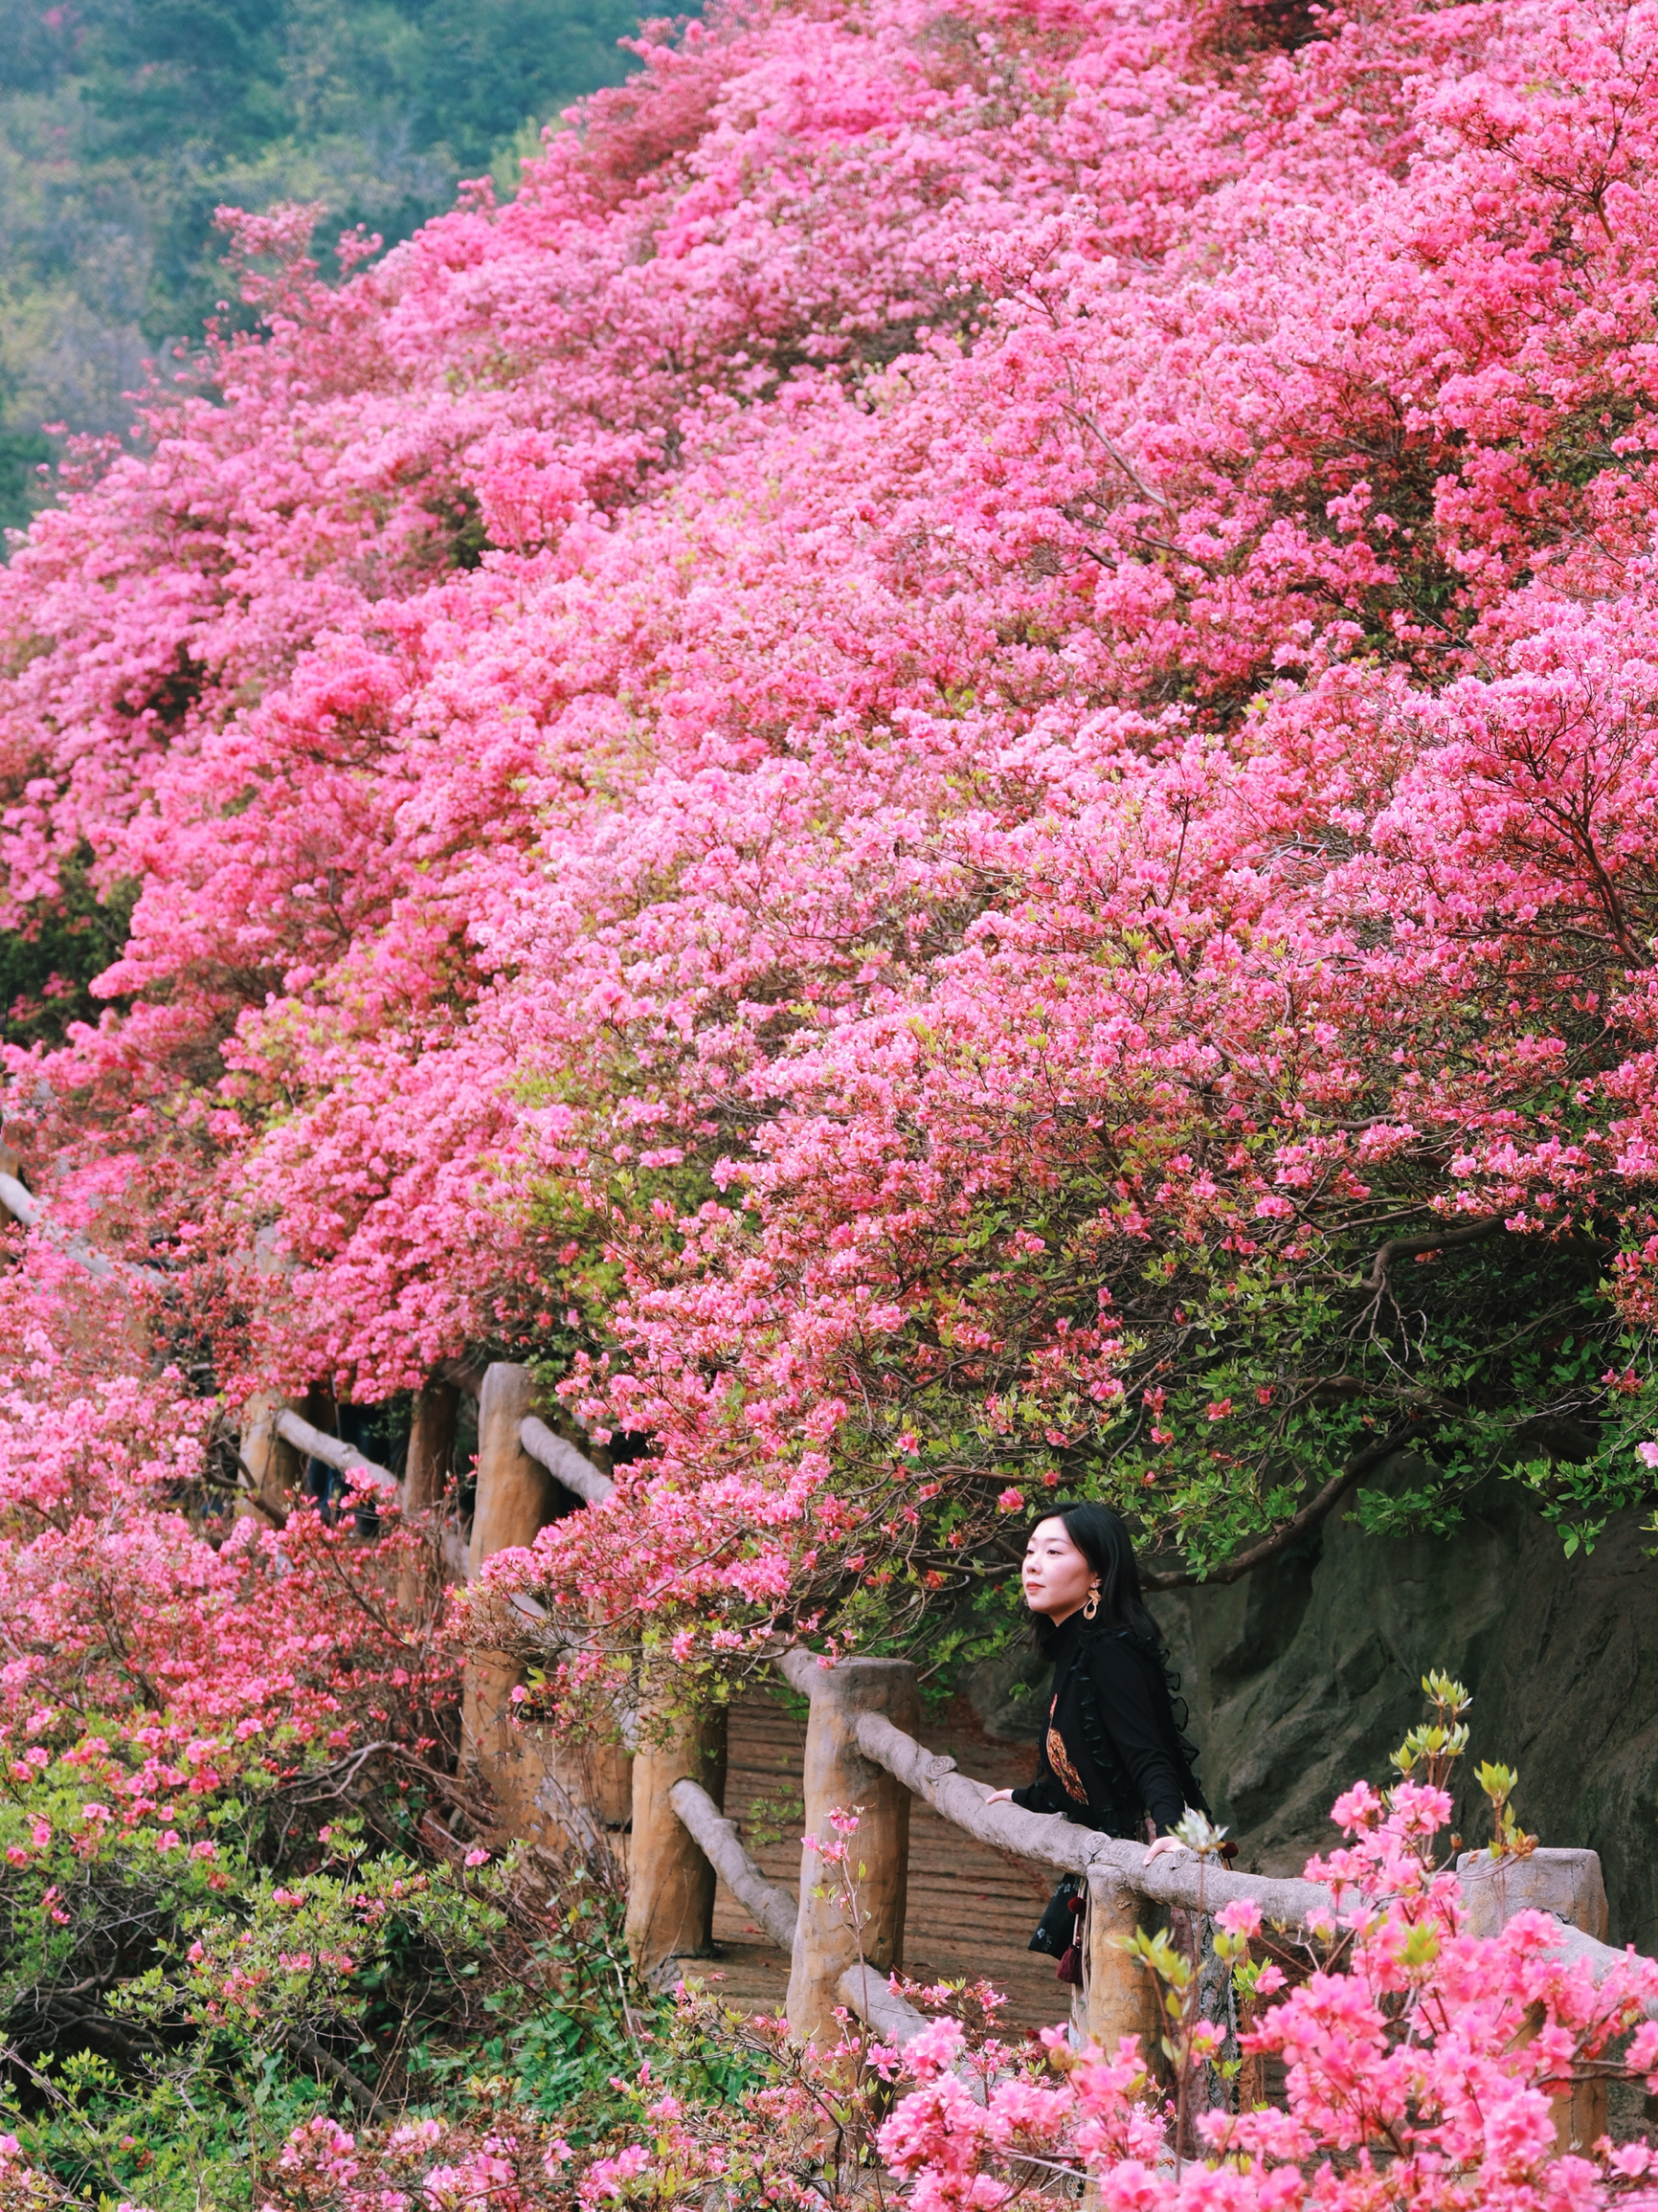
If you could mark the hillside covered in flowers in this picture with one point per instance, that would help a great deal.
(941, 770)
(941, 775)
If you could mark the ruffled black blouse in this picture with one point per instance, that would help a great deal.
(1112, 1753)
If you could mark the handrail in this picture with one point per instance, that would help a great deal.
(546, 1448)
(544, 1445)
(1056, 1842)
(561, 1460)
(1283, 1902)
(773, 1906)
(864, 1989)
(318, 1444)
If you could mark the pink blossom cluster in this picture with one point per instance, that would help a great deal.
(152, 1668)
(1423, 2067)
(943, 605)
(418, 2163)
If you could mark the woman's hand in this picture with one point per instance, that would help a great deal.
(998, 1797)
(1165, 1846)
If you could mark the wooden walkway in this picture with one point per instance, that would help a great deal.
(971, 1909)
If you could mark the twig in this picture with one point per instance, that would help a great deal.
(307, 2047)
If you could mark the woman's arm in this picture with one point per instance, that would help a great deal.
(1128, 1710)
(1034, 1797)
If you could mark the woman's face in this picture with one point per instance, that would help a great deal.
(1056, 1577)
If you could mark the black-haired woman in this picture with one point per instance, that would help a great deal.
(1113, 1757)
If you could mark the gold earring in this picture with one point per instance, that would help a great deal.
(1093, 1604)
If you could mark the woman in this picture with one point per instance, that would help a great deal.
(1112, 1755)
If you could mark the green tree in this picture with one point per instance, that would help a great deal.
(123, 123)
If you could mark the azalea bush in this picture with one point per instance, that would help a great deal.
(174, 2015)
(937, 773)
(231, 1885)
(1423, 2066)
(692, 2104)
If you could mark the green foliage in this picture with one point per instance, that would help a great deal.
(1435, 1746)
(172, 2011)
(173, 2142)
(770, 1820)
(170, 2014)
(1509, 1839)
(46, 970)
(425, 2025)
(125, 122)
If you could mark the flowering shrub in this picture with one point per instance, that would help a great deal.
(199, 1717)
(942, 767)
(964, 658)
(173, 2023)
(1423, 2066)
(208, 1649)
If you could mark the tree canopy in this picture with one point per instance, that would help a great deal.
(940, 771)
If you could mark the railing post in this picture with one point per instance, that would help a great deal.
(586, 1791)
(274, 1466)
(1568, 1885)
(838, 1773)
(1122, 1994)
(426, 1474)
(670, 1882)
(430, 1445)
(515, 1497)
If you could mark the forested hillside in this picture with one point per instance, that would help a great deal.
(125, 122)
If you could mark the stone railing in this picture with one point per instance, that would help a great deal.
(862, 1750)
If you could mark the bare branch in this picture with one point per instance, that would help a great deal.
(1315, 1510)
(251, 1497)
(1441, 1241)
(465, 1373)
(306, 2048)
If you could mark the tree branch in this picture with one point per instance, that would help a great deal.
(1315, 1510)
(465, 1373)
(274, 1514)
(1442, 1241)
(307, 2048)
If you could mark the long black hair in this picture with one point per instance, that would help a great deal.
(1102, 1539)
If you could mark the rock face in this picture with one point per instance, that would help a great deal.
(1307, 1673)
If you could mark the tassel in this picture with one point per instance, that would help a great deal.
(1070, 1965)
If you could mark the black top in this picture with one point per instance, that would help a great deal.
(1113, 1752)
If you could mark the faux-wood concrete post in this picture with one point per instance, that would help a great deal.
(426, 1472)
(1122, 1994)
(515, 1497)
(586, 1788)
(431, 1447)
(274, 1466)
(839, 1775)
(1567, 1884)
(670, 1883)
